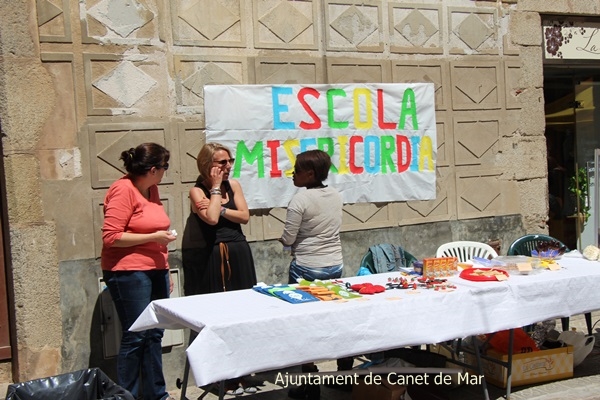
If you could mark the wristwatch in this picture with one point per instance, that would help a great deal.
(223, 209)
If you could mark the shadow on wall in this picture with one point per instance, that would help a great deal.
(105, 337)
(97, 359)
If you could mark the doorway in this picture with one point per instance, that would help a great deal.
(572, 134)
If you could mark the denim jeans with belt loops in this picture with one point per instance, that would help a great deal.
(310, 274)
(131, 292)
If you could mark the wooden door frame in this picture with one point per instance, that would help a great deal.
(7, 310)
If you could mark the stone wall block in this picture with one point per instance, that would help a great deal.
(60, 128)
(37, 298)
(107, 141)
(79, 291)
(77, 228)
(532, 70)
(291, 69)
(534, 196)
(415, 28)
(513, 86)
(358, 70)
(23, 194)
(211, 23)
(442, 208)
(532, 118)
(473, 30)
(18, 28)
(29, 104)
(524, 158)
(60, 164)
(591, 7)
(193, 72)
(36, 279)
(124, 23)
(480, 194)
(354, 27)
(144, 95)
(190, 139)
(526, 28)
(477, 85)
(54, 21)
(445, 140)
(39, 363)
(430, 71)
(475, 137)
(286, 24)
(5, 373)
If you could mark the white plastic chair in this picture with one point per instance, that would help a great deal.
(465, 250)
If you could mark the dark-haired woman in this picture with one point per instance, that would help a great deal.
(313, 221)
(135, 235)
(312, 229)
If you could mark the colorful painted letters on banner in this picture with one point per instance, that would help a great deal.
(381, 138)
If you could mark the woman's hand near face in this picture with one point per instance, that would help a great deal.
(216, 177)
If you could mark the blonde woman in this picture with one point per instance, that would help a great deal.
(222, 260)
(216, 255)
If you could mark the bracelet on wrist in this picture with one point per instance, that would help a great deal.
(223, 210)
(215, 191)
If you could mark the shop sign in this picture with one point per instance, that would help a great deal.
(571, 40)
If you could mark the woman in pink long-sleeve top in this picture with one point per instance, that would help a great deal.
(135, 236)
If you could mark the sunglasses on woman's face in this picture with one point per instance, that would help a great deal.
(223, 163)
(165, 166)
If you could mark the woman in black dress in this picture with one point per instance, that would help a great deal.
(219, 258)
(216, 256)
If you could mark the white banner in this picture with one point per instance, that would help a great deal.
(381, 138)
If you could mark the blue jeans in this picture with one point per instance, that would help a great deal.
(131, 292)
(310, 274)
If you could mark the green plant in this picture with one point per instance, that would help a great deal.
(579, 185)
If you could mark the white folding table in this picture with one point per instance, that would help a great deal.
(243, 332)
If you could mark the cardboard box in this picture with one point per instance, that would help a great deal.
(363, 391)
(439, 266)
(528, 368)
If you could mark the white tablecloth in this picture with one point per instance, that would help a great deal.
(244, 331)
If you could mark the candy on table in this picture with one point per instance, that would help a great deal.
(551, 247)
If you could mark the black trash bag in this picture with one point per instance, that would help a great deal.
(86, 384)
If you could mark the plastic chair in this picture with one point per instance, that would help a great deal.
(523, 246)
(465, 250)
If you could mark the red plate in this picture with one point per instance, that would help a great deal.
(471, 274)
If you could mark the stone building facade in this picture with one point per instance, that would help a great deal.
(80, 81)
